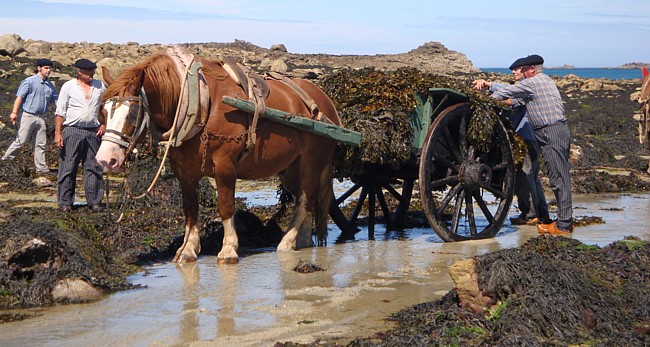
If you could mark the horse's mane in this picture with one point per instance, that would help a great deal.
(161, 72)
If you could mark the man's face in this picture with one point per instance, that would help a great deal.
(518, 74)
(44, 71)
(86, 74)
(528, 71)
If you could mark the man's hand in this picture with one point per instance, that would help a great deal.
(101, 130)
(14, 117)
(482, 84)
(58, 139)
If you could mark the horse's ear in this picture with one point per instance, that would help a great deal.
(107, 76)
(645, 72)
(135, 84)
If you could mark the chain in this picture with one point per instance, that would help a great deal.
(208, 135)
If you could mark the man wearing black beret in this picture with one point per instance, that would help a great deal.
(34, 95)
(545, 112)
(77, 132)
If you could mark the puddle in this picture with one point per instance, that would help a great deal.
(262, 300)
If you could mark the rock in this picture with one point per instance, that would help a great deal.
(279, 66)
(74, 290)
(39, 47)
(32, 253)
(279, 48)
(43, 182)
(11, 45)
(463, 273)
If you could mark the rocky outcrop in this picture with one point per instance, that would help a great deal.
(430, 57)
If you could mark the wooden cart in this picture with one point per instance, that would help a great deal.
(465, 191)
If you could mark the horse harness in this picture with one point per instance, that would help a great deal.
(194, 104)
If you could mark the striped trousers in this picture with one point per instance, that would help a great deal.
(80, 145)
(555, 142)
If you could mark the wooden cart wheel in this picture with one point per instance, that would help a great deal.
(379, 196)
(466, 193)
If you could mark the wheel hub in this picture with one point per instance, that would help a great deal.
(475, 175)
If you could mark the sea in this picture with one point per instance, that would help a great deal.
(609, 73)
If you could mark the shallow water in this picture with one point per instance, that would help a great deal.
(262, 300)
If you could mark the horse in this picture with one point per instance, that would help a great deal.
(217, 140)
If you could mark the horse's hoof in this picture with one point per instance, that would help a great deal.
(228, 261)
(184, 259)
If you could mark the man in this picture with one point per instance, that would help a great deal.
(528, 186)
(34, 94)
(77, 133)
(545, 112)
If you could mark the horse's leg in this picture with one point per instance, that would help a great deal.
(321, 209)
(289, 241)
(191, 247)
(315, 183)
(302, 179)
(226, 179)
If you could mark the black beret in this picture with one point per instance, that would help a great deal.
(84, 63)
(44, 62)
(527, 61)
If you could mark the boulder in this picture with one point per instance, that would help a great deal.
(279, 48)
(74, 290)
(11, 45)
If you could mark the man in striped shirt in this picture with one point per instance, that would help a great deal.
(545, 112)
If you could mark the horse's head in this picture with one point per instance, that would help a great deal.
(126, 116)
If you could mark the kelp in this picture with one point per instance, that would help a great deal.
(380, 104)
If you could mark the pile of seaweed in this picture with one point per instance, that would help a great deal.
(380, 104)
(553, 291)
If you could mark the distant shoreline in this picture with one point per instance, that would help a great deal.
(589, 72)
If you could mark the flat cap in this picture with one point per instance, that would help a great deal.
(84, 63)
(44, 62)
(527, 61)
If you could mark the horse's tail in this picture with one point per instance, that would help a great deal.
(324, 197)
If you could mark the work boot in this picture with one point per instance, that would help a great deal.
(519, 220)
(552, 229)
(544, 228)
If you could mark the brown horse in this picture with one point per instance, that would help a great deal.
(152, 93)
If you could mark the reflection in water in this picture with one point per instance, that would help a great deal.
(262, 300)
(190, 296)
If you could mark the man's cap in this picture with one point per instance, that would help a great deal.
(527, 61)
(44, 62)
(84, 63)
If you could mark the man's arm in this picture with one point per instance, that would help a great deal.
(58, 131)
(14, 113)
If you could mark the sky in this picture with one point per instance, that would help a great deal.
(581, 33)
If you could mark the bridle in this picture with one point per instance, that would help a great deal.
(140, 122)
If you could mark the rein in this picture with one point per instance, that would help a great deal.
(129, 141)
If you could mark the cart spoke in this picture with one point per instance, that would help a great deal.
(469, 212)
(444, 182)
(360, 202)
(483, 206)
(495, 191)
(447, 199)
(348, 193)
(458, 206)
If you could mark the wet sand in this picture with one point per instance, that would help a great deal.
(262, 300)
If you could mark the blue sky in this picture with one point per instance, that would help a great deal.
(583, 33)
